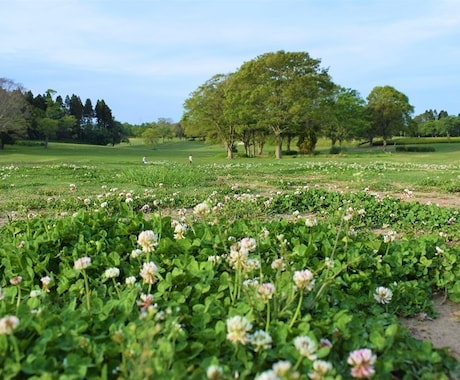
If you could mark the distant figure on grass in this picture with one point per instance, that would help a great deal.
(190, 159)
(144, 160)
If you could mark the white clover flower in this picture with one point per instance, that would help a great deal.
(306, 347)
(264, 233)
(238, 328)
(261, 340)
(145, 208)
(282, 368)
(215, 259)
(131, 280)
(147, 240)
(149, 272)
(439, 251)
(383, 295)
(179, 231)
(252, 265)
(112, 272)
(251, 283)
(304, 279)
(82, 263)
(320, 370)
(104, 204)
(202, 209)
(389, 236)
(72, 187)
(45, 283)
(35, 293)
(135, 253)
(328, 263)
(237, 258)
(8, 324)
(268, 375)
(311, 222)
(214, 372)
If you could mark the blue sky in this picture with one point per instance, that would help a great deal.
(145, 57)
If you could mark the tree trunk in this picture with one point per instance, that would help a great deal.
(260, 148)
(229, 151)
(46, 141)
(278, 147)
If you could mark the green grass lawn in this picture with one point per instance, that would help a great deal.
(30, 174)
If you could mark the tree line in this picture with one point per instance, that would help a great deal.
(24, 115)
(281, 97)
(288, 96)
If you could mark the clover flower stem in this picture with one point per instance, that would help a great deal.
(116, 288)
(297, 310)
(297, 364)
(88, 304)
(150, 289)
(14, 343)
(267, 324)
(18, 301)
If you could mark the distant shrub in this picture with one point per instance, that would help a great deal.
(290, 152)
(336, 150)
(404, 148)
(29, 143)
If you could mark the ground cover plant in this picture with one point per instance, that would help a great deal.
(224, 269)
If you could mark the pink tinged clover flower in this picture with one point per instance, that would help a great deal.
(147, 240)
(304, 280)
(149, 272)
(82, 263)
(383, 295)
(266, 291)
(248, 244)
(8, 324)
(16, 280)
(238, 328)
(146, 302)
(362, 361)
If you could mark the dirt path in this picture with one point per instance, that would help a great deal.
(443, 331)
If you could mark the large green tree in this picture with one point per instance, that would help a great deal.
(13, 111)
(284, 91)
(208, 112)
(389, 112)
(346, 117)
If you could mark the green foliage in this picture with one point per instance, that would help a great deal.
(404, 148)
(86, 324)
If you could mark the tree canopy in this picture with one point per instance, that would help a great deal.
(13, 111)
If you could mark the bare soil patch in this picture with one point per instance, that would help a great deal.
(443, 331)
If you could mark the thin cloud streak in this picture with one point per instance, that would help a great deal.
(124, 49)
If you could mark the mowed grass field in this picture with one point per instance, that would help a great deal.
(31, 174)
